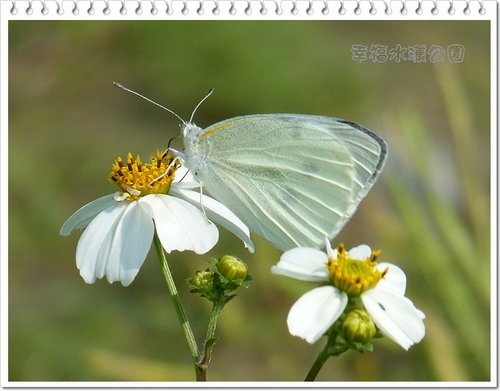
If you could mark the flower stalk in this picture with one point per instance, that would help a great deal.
(318, 364)
(181, 313)
(209, 340)
(325, 354)
(335, 346)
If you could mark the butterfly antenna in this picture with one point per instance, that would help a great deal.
(116, 84)
(210, 91)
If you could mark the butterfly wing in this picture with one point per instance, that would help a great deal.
(293, 179)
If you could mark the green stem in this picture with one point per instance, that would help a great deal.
(318, 364)
(214, 317)
(329, 350)
(181, 314)
(209, 340)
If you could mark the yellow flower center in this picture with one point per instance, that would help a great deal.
(139, 179)
(354, 276)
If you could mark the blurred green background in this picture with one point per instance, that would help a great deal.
(429, 211)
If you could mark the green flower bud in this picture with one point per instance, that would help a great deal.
(358, 326)
(202, 281)
(232, 268)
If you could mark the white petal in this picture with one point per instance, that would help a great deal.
(83, 216)
(91, 241)
(303, 263)
(331, 253)
(115, 244)
(395, 316)
(313, 314)
(179, 225)
(394, 279)
(360, 252)
(218, 213)
(129, 244)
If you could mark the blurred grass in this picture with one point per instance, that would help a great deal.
(429, 212)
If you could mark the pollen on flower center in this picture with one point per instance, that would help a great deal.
(139, 179)
(354, 276)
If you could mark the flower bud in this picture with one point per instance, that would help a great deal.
(232, 268)
(358, 326)
(202, 281)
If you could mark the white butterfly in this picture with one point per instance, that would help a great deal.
(293, 179)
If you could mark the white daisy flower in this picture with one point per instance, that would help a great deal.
(354, 273)
(119, 227)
